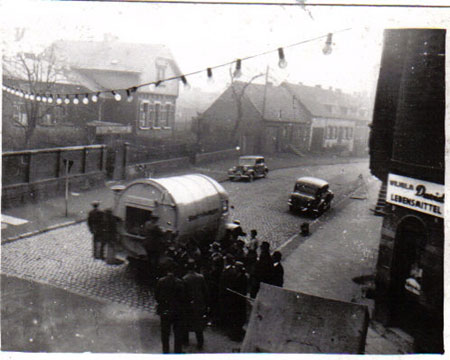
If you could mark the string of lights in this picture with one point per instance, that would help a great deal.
(86, 97)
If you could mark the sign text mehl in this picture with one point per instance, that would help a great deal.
(415, 194)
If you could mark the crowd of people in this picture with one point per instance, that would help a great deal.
(227, 277)
(199, 282)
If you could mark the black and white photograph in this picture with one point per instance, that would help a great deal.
(223, 177)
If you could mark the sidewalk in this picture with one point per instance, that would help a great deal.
(50, 214)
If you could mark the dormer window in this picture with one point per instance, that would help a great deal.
(160, 72)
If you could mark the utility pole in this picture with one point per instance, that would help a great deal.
(265, 93)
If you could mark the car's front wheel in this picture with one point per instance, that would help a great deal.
(251, 177)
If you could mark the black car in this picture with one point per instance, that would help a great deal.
(310, 195)
(249, 167)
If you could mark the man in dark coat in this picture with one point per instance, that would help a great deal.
(94, 222)
(263, 268)
(277, 270)
(110, 237)
(239, 304)
(197, 295)
(226, 298)
(170, 294)
(154, 242)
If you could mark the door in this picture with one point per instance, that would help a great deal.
(317, 139)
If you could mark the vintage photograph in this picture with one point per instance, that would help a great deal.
(227, 177)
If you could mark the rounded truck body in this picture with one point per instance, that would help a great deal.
(187, 206)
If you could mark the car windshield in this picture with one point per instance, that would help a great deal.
(305, 189)
(246, 162)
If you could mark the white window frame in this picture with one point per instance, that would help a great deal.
(156, 125)
(146, 113)
(20, 115)
(169, 110)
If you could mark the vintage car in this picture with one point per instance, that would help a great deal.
(310, 195)
(249, 167)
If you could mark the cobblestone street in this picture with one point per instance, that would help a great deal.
(63, 257)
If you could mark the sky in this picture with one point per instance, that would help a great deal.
(202, 36)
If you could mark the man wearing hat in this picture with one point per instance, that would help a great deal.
(197, 295)
(95, 225)
(154, 242)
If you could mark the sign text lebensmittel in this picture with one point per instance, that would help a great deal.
(415, 194)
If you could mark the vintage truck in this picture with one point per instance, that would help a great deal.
(186, 206)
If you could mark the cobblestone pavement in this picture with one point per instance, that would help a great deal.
(262, 204)
(63, 257)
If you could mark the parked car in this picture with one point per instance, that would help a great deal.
(310, 195)
(249, 167)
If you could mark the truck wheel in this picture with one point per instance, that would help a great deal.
(251, 177)
(264, 174)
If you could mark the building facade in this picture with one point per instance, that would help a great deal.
(407, 149)
(287, 117)
(90, 67)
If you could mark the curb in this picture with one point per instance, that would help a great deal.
(41, 231)
(73, 222)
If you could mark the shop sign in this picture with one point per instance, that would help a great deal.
(415, 194)
(114, 129)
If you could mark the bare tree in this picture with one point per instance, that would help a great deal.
(34, 74)
(238, 92)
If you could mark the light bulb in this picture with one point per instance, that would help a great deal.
(94, 98)
(117, 96)
(327, 49)
(75, 100)
(67, 101)
(59, 100)
(129, 96)
(44, 99)
(50, 99)
(282, 64)
(185, 82)
(27, 96)
(238, 72)
(21, 94)
(31, 97)
(38, 98)
(210, 76)
(86, 100)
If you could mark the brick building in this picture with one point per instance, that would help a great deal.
(90, 67)
(288, 116)
(407, 150)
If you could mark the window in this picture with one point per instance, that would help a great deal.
(343, 110)
(144, 115)
(160, 73)
(169, 115)
(47, 120)
(329, 108)
(157, 115)
(59, 114)
(350, 133)
(20, 114)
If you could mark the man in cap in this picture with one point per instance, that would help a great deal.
(197, 295)
(95, 224)
(263, 268)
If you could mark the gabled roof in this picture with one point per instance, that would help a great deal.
(113, 64)
(318, 100)
(279, 104)
(110, 55)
